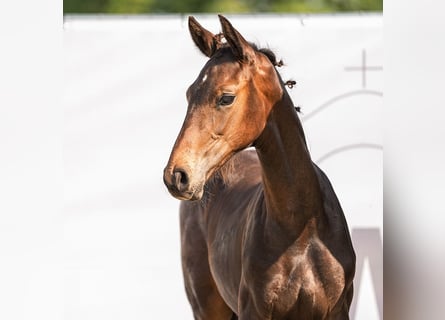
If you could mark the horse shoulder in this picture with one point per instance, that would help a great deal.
(334, 231)
(283, 283)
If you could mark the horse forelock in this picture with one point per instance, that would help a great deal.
(224, 48)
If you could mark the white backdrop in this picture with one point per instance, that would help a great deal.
(124, 102)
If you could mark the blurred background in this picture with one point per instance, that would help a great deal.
(227, 6)
(127, 65)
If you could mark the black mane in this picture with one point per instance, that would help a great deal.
(269, 54)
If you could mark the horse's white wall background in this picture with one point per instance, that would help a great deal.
(125, 80)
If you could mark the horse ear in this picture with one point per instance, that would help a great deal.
(204, 39)
(240, 47)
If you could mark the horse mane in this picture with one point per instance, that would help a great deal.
(273, 59)
(271, 56)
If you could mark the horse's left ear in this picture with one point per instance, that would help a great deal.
(242, 50)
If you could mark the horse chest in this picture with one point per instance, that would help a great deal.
(225, 264)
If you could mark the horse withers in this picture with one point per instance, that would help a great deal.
(263, 235)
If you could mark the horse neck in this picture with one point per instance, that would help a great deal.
(291, 188)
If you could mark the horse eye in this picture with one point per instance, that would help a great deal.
(226, 99)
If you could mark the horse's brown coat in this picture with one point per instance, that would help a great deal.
(266, 237)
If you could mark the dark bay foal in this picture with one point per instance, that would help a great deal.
(263, 235)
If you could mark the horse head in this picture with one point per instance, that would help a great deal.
(228, 106)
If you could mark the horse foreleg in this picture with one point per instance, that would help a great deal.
(204, 298)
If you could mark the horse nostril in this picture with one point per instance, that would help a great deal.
(181, 179)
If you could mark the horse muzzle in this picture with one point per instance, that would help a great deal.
(178, 184)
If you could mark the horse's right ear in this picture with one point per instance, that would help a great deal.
(204, 39)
